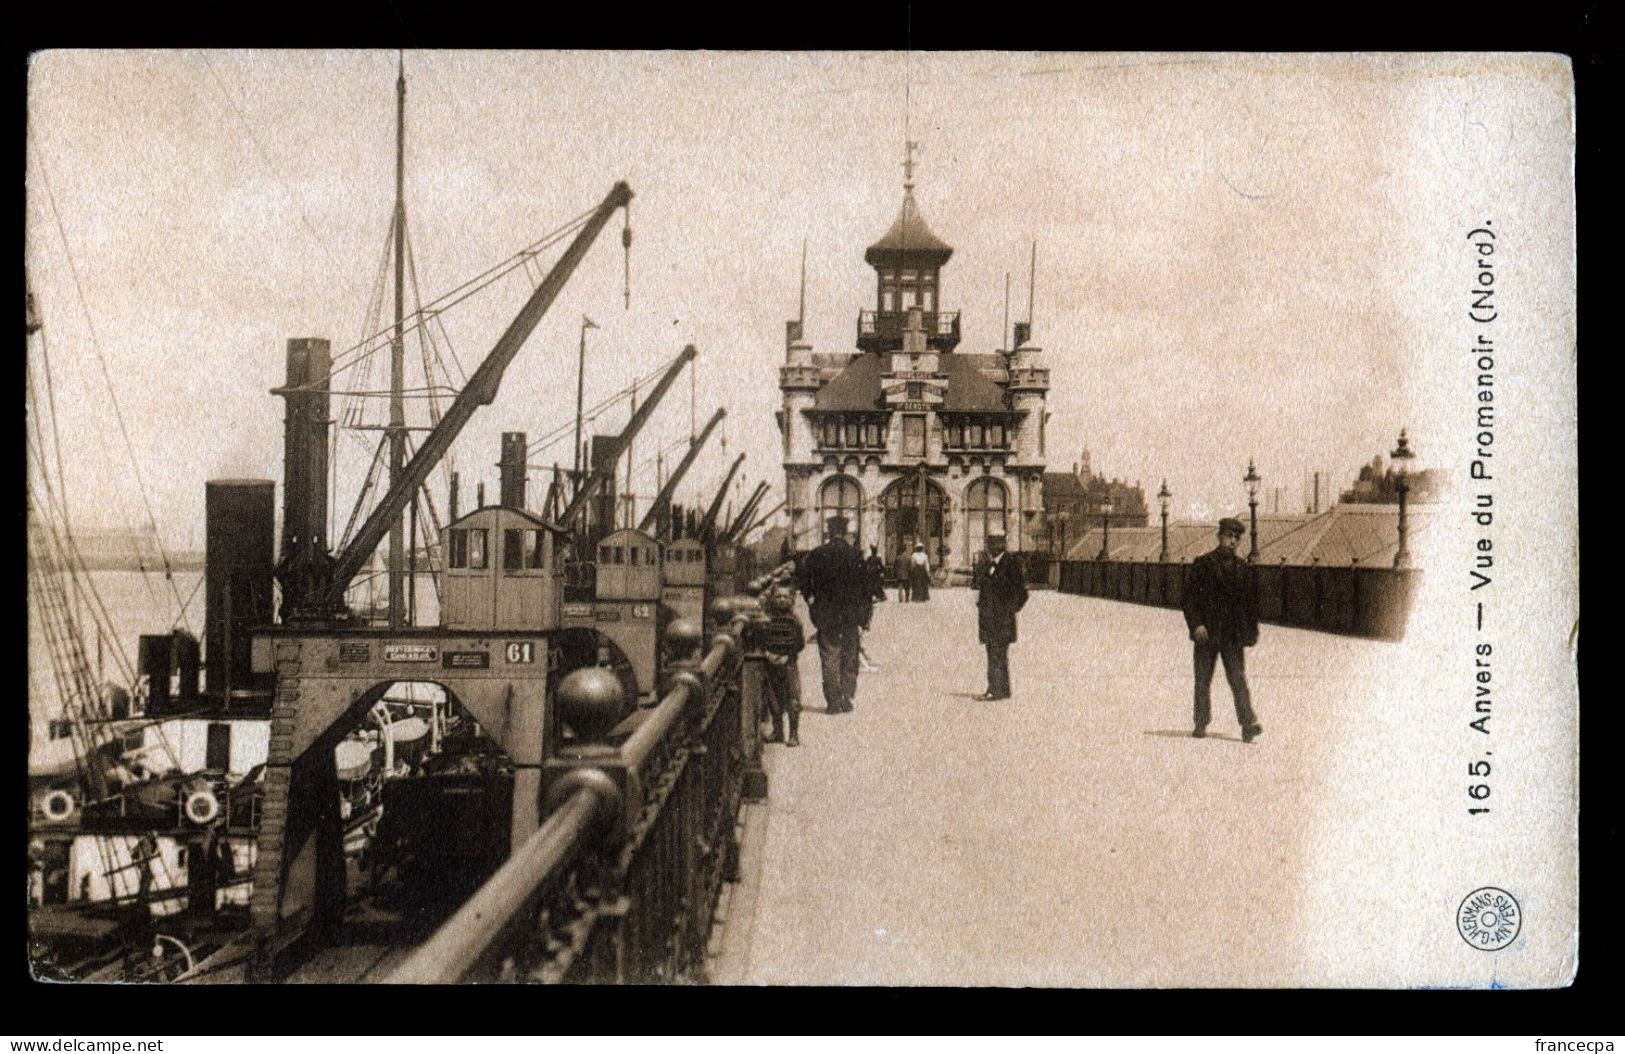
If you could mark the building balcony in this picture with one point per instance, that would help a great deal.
(856, 449)
(883, 330)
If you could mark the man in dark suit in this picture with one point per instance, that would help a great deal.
(1001, 591)
(836, 584)
(1221, 611)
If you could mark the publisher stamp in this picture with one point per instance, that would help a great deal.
(1489, 919)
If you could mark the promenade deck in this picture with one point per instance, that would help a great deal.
(1074, 835)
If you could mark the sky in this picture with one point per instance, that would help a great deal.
(1222, 244)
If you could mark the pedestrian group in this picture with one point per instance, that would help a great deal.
(841, 587)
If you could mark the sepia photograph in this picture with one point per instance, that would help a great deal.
(795, 518)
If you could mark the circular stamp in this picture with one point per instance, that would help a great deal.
(1489, 919)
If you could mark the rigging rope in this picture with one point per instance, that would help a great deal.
(112, 394)
(564, 431)
(380, 340)
(265, 160)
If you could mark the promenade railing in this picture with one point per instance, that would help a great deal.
(620, 882)
(1372, 602)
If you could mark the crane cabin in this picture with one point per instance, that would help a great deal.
(683, 580)
(501, 572)
(626, 603)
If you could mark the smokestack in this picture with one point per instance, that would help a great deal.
(239, 518)
(1317, 492)
(512, 470)
(304, 450)
(479, 495)
(451, 499)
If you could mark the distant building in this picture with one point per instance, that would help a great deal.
(1377, 486)
(1074, 502)
(908, 438)
(125, 549)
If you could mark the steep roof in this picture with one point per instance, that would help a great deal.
(855, 388)
(968, 390)
(909, 241)
(1342, 535)
(858, 387)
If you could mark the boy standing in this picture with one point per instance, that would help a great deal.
(783, 640)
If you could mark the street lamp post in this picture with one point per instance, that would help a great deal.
(1105, 527)
(1402, 455)
(1252, 480)
(1163, 497)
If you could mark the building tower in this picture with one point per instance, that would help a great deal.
(910, 439)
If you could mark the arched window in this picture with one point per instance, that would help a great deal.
(841, 496)
(985, 503)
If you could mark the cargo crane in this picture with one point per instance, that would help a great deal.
(663, 499)
(313, 583)
(625, 611)
(763, 518)
(603, 473)
(707, 525)
(736, 528)
(322, 671)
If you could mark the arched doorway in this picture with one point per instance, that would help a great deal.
(913, 510)
(841, 496)
(986, 502)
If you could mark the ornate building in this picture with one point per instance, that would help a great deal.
(1376, 486)
(1075, 502)
(907, 437)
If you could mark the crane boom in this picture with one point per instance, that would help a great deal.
(745, 513)
(480, 390)
(709, 522)
(763, 518)
(663, 499)
(629, 433)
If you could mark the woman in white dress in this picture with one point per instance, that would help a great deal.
(919, 573)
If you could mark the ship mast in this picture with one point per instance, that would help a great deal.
(397, 355)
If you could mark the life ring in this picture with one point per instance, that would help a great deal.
(202, 807)
(58, 806)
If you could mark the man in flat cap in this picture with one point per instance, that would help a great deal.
(1221, 612)
(836, 585)
(1001, 591)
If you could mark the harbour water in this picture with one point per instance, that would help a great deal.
(139, 603)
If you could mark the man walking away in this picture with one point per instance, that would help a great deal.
(835, 583)
(1001, 591)
(1221, 611)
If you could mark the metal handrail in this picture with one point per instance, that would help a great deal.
(487, 919)
(642, 742)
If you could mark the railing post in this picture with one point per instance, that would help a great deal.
(752, 684)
